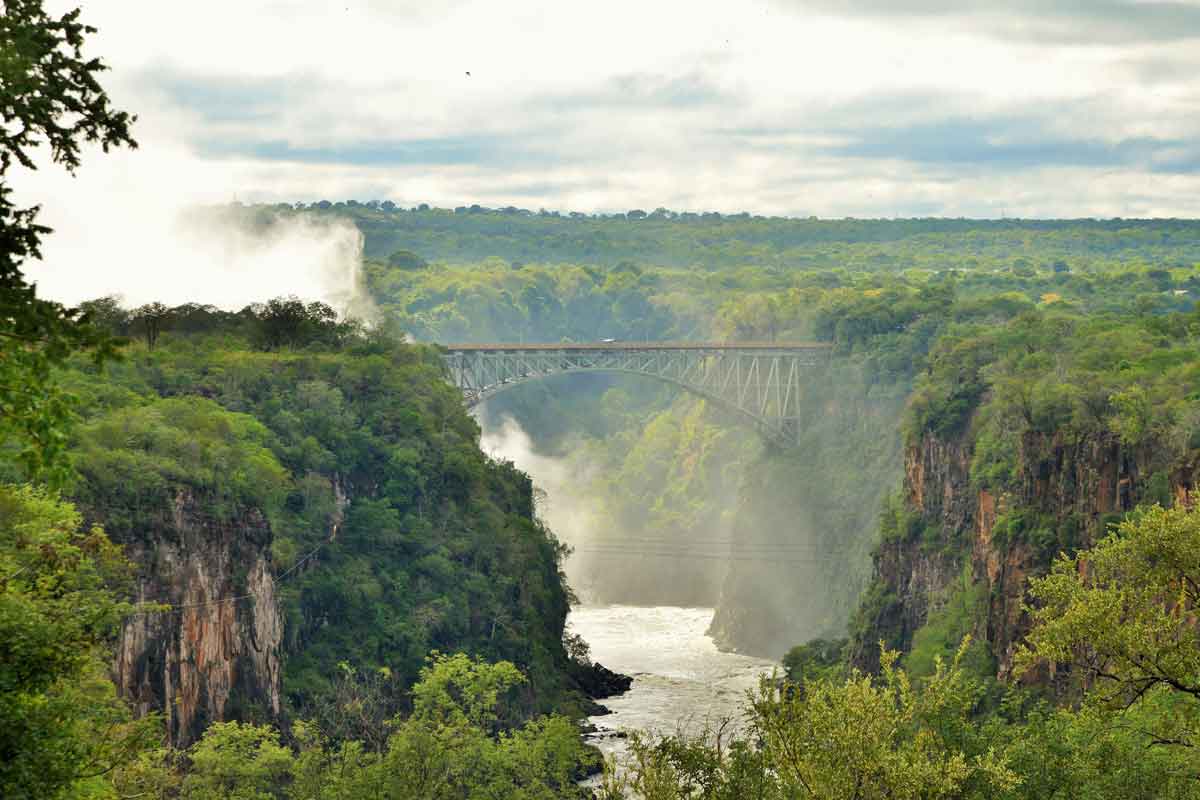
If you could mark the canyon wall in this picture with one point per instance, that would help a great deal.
(216, 653)
(1064, 492)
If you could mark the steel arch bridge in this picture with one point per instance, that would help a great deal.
(758, 380)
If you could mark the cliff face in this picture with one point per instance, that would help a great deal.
(363, 457)
(1063, 491)
(210, 658)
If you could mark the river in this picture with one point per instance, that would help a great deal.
(681, 681)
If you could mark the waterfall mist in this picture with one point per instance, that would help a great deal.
(561, 494)
(625, 550)
(156, 224)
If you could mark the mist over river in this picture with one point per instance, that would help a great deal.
(681, 681)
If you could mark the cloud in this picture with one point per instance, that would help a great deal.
(694, 90)
(428, 152)
(1005, 144)
(229, 98)
(770, 106)
(129, 225)
(1052, 21)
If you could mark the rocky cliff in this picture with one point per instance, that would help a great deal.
(1063, 492)
(239, 465)
(215, 654)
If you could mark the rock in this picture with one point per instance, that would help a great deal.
(211, 656)
(599, 682)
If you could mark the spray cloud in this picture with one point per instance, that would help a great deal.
(566, 507)
(141, 225)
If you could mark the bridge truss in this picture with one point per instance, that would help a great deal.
(760, 381)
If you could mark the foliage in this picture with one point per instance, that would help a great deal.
(133, 459)
(1045, 255)
(454, 690)
(237, 762)
(1117, 616)
(50, 96)
(398, 536)
(446, 749)
(289, 322)
(815, 660)
(835, 738)
(890, 736)
(61, 725)
(1120, 615)
(947, 626)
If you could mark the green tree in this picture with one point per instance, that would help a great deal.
(150, 320)
(289, 322)
(406, 259)
(51, 96)
(62, 727)
(862, 737)
(447, 748)
(1121, 615)
(455, 689)
(234, 761)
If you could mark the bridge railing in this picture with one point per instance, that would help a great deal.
(761, 380)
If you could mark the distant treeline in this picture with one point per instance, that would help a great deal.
(710, 240)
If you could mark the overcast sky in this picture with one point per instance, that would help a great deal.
(876, 108)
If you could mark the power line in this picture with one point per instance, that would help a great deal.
(707, 542)
(709, 556)
(278, 580)
(766, 550)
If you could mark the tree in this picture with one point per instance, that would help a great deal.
(61, 724)
(235, 761)
(107, 314)
(289, 322)
(455, 689)
(406, 259)
(818, 658)
(150, 319)
(448, 748)
(50, 96)
(1122, 615)
(861, 737)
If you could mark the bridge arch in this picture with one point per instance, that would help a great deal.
(759, 381)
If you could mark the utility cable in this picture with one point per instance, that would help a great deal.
(709, 556)
(278, 580)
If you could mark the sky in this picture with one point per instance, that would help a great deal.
(880, 108)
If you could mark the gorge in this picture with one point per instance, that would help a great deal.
(544, 496)
(312, 511)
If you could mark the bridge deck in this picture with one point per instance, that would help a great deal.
(756, 346)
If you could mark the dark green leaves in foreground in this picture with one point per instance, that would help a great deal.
(445, 750)
(51, 97)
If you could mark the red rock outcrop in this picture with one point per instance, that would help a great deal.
(1070, 485)
(216, 653)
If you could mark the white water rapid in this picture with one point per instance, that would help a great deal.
(681, 681)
